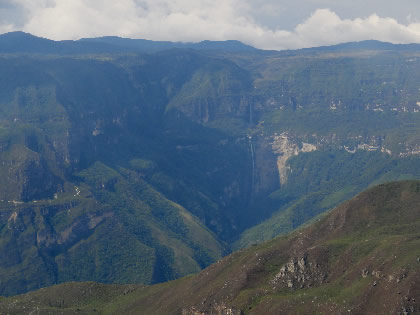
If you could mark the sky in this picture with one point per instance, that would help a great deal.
(265, 24)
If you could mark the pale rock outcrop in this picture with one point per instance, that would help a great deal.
(284, 147)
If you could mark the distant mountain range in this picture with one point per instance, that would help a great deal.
(20, 42)
(366, 45)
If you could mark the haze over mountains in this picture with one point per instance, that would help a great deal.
(132, 161)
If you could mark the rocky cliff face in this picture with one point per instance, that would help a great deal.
(284, 147)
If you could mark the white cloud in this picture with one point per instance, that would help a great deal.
(325, 27)
(5, 28)
(188, 20)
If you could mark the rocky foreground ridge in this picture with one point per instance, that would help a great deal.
(361, 258)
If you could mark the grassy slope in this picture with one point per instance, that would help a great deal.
(375, 233)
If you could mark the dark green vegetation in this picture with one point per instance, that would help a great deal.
(363, 257)
(121, 166)
(97, 179)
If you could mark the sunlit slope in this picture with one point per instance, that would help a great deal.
(361, 258)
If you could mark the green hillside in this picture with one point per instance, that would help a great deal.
(363, 257)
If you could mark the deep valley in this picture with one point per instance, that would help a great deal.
(139, 162)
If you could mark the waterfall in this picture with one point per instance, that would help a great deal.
(251, 146)
(250, 112)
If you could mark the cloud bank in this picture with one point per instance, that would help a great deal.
(192, 21)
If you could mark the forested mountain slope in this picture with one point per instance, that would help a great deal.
(363, 257)
(119, 166)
